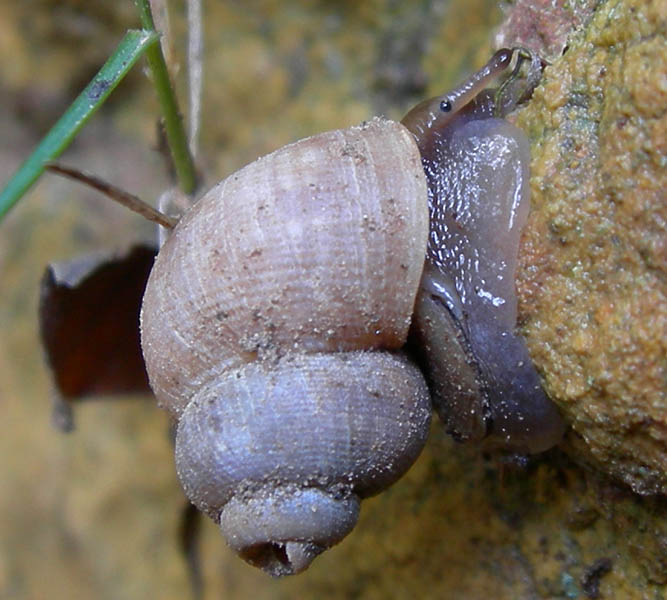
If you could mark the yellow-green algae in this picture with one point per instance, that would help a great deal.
(593, 285)
(95, 514)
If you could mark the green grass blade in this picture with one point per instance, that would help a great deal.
(61, 134)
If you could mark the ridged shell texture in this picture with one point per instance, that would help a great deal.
(271, 327)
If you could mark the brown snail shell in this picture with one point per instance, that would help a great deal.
(292, 397)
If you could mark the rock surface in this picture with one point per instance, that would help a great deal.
(594, 277)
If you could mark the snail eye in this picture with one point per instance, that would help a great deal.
(446, 106)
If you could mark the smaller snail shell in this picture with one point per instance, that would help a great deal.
(271, 328)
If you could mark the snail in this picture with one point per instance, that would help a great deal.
(275, 315)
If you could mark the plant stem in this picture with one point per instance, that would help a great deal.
(134, 203)
(173, 124)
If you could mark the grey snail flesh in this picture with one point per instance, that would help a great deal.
(272, 325)
(483, 382)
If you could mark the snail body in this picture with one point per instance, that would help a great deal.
(483, 382)
(292, 398)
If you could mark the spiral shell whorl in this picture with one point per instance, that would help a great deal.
(301, 441)
(317, 247)
(309, 520)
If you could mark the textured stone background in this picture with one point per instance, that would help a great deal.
(95, 513)
(595, 251)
